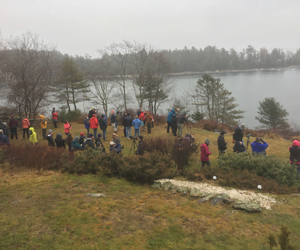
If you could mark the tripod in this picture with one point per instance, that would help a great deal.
(133, 146)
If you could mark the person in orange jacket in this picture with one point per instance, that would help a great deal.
(94, 124)
(25, 125)
(67, 127)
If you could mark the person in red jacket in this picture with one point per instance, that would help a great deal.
(94, 124)
(142, 118)
(54, 117)
(25, 125)
(295, 155)
(205, 153)
(67, 127)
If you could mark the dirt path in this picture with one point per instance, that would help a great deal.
(265, 201)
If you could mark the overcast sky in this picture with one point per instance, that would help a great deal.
(78, 27)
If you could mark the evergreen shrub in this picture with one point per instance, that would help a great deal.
(269, 167)
(148, 167)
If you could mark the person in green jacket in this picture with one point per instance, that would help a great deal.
(75, 144)
(32, 136)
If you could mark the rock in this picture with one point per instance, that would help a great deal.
(174, 191)
(197, 193)
(156, 185)
(216, 200)
(18, 200)
(296, 195)
(208, 197)
(248, 206)
(167, 185)
(183, 189)
(96, 195)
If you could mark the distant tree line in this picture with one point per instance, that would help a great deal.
(211, 59)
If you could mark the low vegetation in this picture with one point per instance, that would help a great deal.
(42, 208)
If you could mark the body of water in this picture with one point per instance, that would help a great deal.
(251, 87)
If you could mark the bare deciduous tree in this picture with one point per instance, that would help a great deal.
(29, 66)
(117, 58)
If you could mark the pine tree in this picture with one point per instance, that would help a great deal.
(70, 85)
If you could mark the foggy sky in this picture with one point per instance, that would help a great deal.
(78, 27)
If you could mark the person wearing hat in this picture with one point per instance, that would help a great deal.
(13, 125)
(205, 154)
(92, 112)
(89, 142)
(180, 121)
(116, 138)
(140, 148)
(59, 141)
(5, 130)
(54, 117)
(94, 124)
(50, 140)
(259, 146)
(32, 136)
(25, 125)
(115, 147)
(3, 139)
(238, 133)
(113, 121)
(222, 145)
(82, 139)
(75, 145)
(43, 124)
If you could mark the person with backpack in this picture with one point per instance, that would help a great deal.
(55, 117)
(136, 123)
(89, 142)
(87, 125)
(43, 124)
(13, 125)
(32, 136)
(25, 125)
(50, 140)
(75, 145)
(174, 125)
(103, 126)
(59, 141)
(169, 119)
(67, 127)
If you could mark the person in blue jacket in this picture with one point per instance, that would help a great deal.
(3, 138)
(259, 146)
(136, 123)
(169, 120)
(87, 125)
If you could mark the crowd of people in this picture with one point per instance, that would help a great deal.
(141, 121)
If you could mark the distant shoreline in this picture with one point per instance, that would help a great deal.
(189, 73)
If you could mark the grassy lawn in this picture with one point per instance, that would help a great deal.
(52, 211)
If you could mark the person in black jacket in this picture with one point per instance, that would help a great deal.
(60, 142)
(113, 121)
(128, 124)
(239, 147)
(91, 113)
(222, 145)
(89, 142)
(140, 148)
(99, 143)
(50, 140)
(238, 133)
(174, 125)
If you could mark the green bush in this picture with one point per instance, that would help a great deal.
(74, 115)
(148, 167)
(85, 162)
(269, 167)
(2, 156)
